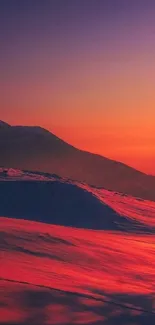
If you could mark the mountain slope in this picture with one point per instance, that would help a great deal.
(34, 148)
(60, 274)
(54, 200)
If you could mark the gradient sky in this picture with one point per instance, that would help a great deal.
(84, 69)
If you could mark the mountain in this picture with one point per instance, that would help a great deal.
(36, 149)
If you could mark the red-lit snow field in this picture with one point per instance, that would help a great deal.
(55, 274)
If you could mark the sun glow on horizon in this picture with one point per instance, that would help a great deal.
(84, 71)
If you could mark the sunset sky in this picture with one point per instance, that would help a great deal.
(85, 70)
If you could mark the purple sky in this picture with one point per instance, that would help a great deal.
(85, 70)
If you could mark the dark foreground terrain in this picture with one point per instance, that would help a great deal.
(57, 267)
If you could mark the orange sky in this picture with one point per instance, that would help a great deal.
(112, 116)
(86, 73)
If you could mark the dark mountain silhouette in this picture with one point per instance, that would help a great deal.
(36, 149)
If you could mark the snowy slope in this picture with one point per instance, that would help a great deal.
(51, 199)
(59, 275)
(68, 273)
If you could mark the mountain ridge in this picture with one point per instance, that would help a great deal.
(37, 149)
(40, 128)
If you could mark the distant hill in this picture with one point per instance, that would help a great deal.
(36, 149)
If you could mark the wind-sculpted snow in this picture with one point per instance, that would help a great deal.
(50, 199)
(59, 275)
(83, 255)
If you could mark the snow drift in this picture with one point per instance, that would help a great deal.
(53, 200)
(66, 273)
